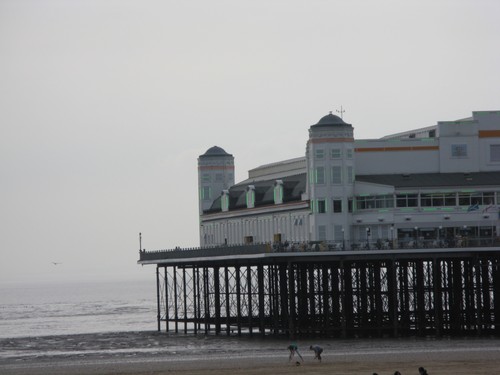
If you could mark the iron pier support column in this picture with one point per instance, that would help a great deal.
(238, 300)
(260, 283)
(280, 297)
(283, 292)
(228, 307)
(206, 299)
(363, 299)
(496, 294)
(167, 317)
(310, 292)
(337, 318)
(379, 306)
(196, 293)
(421, 308)
(438, 300)
(158, 315)
(347, 300)
(478, 299)
(184, 287)
(456, 293)
(326, 301)
(393, 295)
(292, 305)
(249, 288)
(199, 279)
(485, 291)
(176, 310)
(217, 300)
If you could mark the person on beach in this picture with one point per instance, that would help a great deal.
(294, 349)
(317, 351)
(422, 371)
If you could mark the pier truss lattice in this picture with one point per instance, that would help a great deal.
(334, 295)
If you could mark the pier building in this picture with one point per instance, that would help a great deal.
(435, 185)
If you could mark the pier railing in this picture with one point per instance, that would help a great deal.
(261, 248)
(202, 252)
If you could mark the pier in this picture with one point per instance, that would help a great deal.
(325, 292)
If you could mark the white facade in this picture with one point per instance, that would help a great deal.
(346, 192)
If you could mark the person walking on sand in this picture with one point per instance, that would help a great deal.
(317, 351)
(294, 349)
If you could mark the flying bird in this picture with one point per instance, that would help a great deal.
(56, 263)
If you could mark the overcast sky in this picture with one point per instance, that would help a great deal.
(105, 107)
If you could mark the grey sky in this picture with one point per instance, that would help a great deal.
(106, 105)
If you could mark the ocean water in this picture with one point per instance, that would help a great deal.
(77, 308)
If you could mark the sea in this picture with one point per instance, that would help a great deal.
(100, 320)
(49, 309)
(88, 322)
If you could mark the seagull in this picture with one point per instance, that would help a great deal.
(56, 263)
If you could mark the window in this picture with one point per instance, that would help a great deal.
(349, 205)
(338, 233)
(473, 198)
(336, 174)
(278, 194)
(407, 200)
(205, 193)
(349, 153)
(495, 153)
(371, 202)
(321, 232)
(250, 198)
(319, 154)
(320, 175)
(321, 206)
(437, 200)
(224, 202)
(350, 175)
(337, 205)
(205, 177)
(219, 177)
(336, 153)
(459, 151)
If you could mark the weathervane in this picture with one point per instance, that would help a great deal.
(342, 110)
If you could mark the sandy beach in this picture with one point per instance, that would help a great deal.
(160, 354)
(466, 363)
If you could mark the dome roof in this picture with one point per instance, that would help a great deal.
(215, 151)
(330, 120)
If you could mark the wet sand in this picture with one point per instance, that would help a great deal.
(156, 354)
